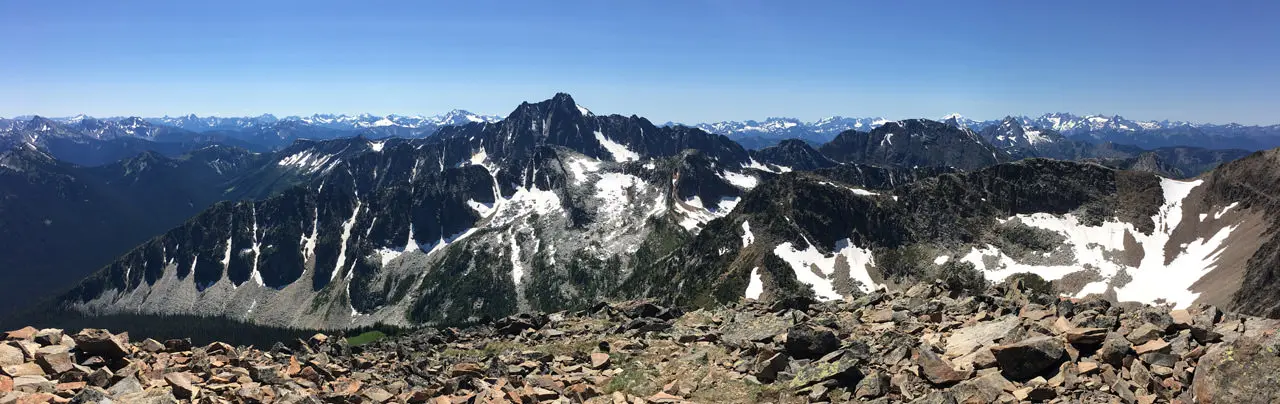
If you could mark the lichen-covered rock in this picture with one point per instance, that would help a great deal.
(1246, 371)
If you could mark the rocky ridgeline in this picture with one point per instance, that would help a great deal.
(927, 345)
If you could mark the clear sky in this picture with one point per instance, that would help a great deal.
(685, 61)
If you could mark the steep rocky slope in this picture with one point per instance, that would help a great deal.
(1248, 186)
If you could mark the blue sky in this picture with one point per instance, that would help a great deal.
(685, 61)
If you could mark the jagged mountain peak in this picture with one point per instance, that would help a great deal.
(40, 123)
(912, 143)
(792, 154)
(1015, 133)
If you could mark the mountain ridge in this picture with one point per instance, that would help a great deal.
(556, 206)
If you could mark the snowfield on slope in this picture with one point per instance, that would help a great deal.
(1152, 281)
(803, 262)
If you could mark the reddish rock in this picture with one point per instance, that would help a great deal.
(56, 364)
(346, 387)
(466, 368)
(935, 369)
(70, 386)
(599, 360)
(294, 367)
(24, 333)
(182, 384)
(23, 369)
(1155, 345)
(1086, 336)
(38, 398)
(97, 342)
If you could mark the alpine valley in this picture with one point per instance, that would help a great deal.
(456, 221)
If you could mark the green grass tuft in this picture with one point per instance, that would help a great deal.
(366, 338)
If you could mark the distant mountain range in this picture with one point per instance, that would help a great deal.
(1093, 128)
(196, 123)
(267, 132)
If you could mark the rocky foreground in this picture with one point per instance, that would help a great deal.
(923, 346)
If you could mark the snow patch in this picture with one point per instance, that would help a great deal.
(754, 287)
(856, 191)
(747, 237)
(613, 191)
(620, 152)
(580, 167)
(308, 161)
(517, 269)
(483, 208)
(377, 146)
(226, 258)
(346, 234)
(804, 262)
(257, 251)
(479, 157)
(740, 180)
(1217, 216)
(773, 168)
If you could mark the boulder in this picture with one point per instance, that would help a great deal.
(24, 333)
(982, 389)
(33, 384)
(1086, 336)
(1114, 349)
(178, 344)
(968, 339)
(181, 382)
(599, 360)
(1028, 358)
(97, 342)
(874, 385)
(767, 370)
(808, 342)
(267, 374)
(1155, 345)
(842, 370)
(92, 395)
(48, 336)
(1244, 371)
(55, 364)
(22, 369)
(127, 385)
(151, 345)
(935, 369)
(10, 355)
(1144, 333)
(516, 324)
